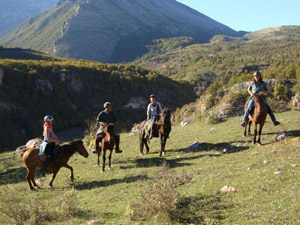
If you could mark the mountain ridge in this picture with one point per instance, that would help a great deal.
(112, 31)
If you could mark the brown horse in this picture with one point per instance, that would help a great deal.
(107, 143)
(259, 117)
(164, 129)
(32, 160)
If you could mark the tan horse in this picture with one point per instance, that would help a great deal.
(32, 160)
(259, 117)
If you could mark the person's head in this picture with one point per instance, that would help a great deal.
(107, 106)
(257, 76)
(153, 99)
(48, 119)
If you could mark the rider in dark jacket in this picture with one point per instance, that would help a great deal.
(106, 117)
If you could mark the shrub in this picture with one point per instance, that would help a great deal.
(159, 197)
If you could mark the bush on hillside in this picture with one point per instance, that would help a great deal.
(159, 197)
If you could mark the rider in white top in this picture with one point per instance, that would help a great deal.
(153, 109)
(153, 112)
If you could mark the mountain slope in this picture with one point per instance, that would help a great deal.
(74, 91)
(111, 30)
(15, 12)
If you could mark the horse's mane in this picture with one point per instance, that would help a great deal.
(70, 148)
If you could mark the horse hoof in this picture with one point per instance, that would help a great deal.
(163, 153)
(109, 168)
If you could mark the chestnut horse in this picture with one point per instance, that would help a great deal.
(259, 117)
(164, 129)
(107, 143)
(32, 160)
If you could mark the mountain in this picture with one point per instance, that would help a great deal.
(15, 12)
(111, 30)
(33, 85)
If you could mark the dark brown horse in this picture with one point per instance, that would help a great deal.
(32, 160)
(107, 143)
(259, 117)
(164, 129)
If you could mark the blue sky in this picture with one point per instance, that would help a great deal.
(251, 15)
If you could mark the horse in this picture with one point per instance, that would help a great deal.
(107, 143)
(164, 129)
(259, 117)
(32, 160)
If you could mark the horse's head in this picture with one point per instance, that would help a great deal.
(79, 146)
(165, 115)
(258, 99)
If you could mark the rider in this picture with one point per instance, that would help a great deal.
(153, 112)
(106, 117)
(258, 87)
(52, 143)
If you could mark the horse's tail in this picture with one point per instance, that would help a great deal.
(22, 153)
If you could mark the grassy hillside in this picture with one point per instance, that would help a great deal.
(219, 70)
(74, 91)
(266, 179)
(274, 51)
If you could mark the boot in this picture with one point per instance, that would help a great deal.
(243, 124)
(275, 122)
(44, 167)
(118, 145)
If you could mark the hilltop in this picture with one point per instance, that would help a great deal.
(111, 30)
(74, 91)
(15, 12)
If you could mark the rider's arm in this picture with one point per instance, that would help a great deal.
(57, 139)
(148, 112)
(250, 92)
(53, 138)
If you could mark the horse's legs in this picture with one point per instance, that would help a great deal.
(245, 134)
(28, 177)
(255, 132)
(99, 153)
(163, 140)
(146, 144)
(33, 180)
(141, 143)
(249, 128)
(259, 132)
(109, 159)
(103, 159)
(71, 169)
(53, 176)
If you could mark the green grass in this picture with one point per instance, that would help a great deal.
(263, 197)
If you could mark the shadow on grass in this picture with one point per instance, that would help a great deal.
(199, 210)
(14, 175)
(227, 146)
(105, 183)
(158, 161)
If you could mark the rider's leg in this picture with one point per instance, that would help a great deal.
(152, 126)
(117, 136)
(44, 167)
(98, 140)
(271, 114)
(247, 112)
(56, 149)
